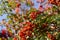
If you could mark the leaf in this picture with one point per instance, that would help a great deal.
(58, 18)
(0, 13)
(58, 36)
(10, 38)
(36, 39)
(10, 21)
(12, 3)
(42, 38)
(0, 38)
(54, 8)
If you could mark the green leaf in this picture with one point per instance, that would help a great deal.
(43, 38)
(0, 13)
(10, 38)
(36, 39)
(58, 36)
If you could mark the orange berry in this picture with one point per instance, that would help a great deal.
(15, 38)
(18, 5)
(23, 38)
(17, 10)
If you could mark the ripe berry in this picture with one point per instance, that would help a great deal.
(51, 36)
(21, 34)
(26, 30)
(33, 15)
(41, 9)
(3, 32)
(17, 10)
(23, 39)
(15, 38)
(18, 5)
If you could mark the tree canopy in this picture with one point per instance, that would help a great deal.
(25, 22)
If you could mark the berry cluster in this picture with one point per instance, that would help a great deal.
(15, 38)
(33, 15)
(56, 2)
(26, 31)
(51, 36)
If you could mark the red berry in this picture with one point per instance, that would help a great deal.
(49, 35)
(56, 2)
(26, 30)
(29, 28)
(3, 32)
(38, 12)
(15, 38)
(28, 33)
(21, 34)
(23, 38)
(17, 10)
(18, 5)
(41, 9)
(33, 15)
(28, 23)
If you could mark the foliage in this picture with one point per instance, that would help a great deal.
(31, 24)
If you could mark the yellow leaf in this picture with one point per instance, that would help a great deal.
(0, 39)
(13, 4)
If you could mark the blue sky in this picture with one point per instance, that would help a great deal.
(1, 26)
(2, 17)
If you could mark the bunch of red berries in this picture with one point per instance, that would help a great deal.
(56, 2)
(26, 30)
(33, 15)
(51, 36)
